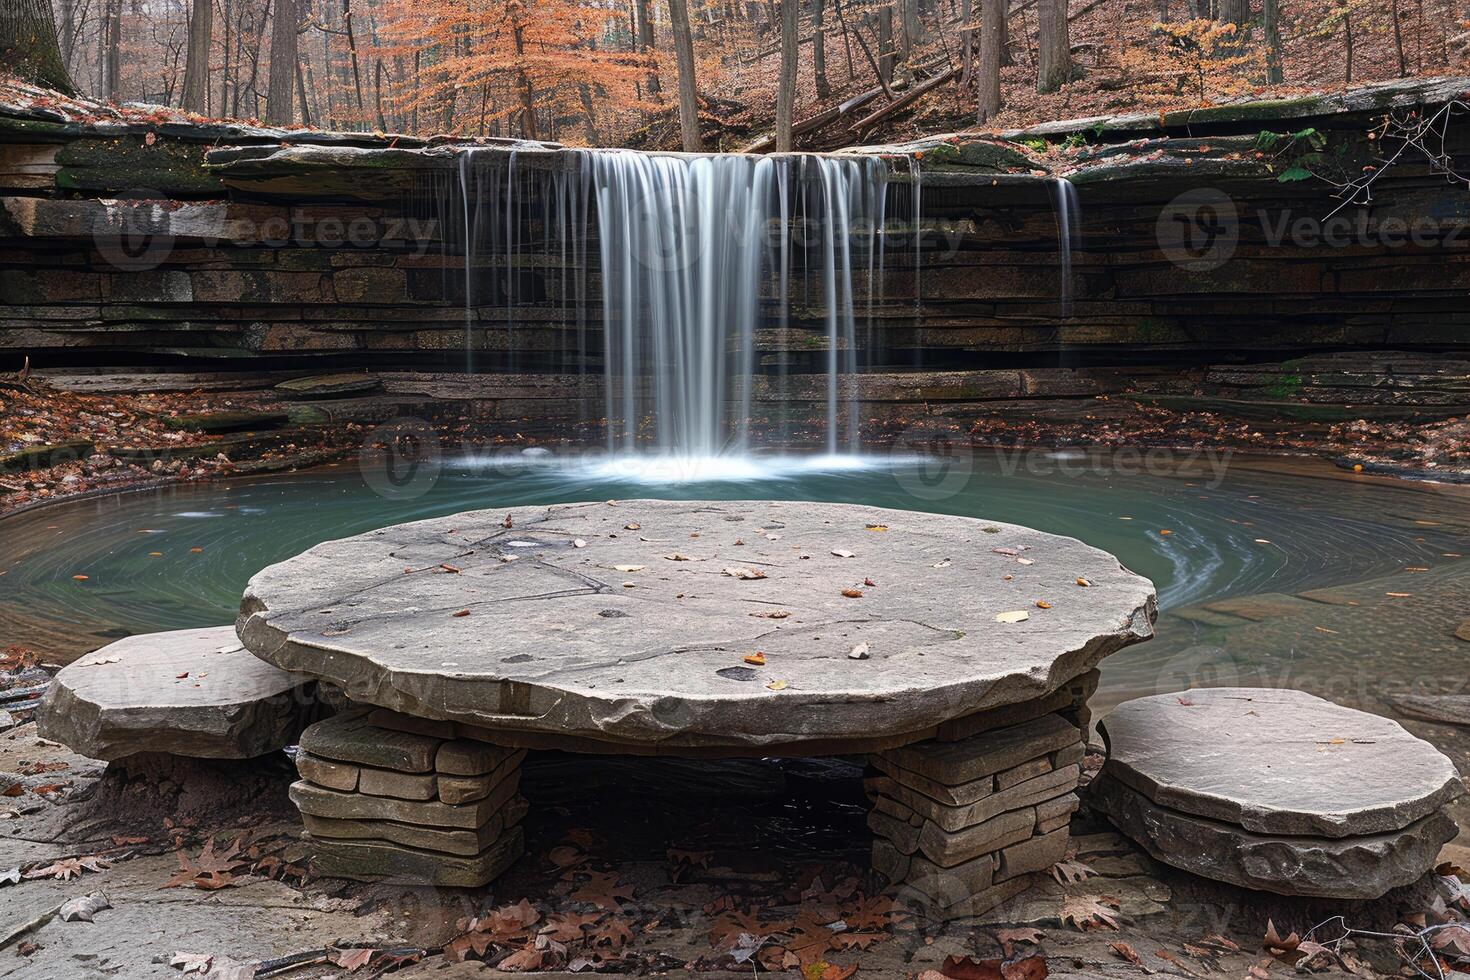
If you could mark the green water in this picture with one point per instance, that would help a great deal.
(1244, 545)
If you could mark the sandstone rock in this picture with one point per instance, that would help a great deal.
(970, 759)
(1277, 762)
(536, 652)
(1023, 772)
(1358, 867)
(468, 758)
(370, 861)
(1462, 631)
(402, 785)
(194, 693)
(466, 843)
(350, 737)
(467, 789)
(1449, 709)
(960, 794)
(325, 772)
(1056, 814)
(947, 849)
(322, 802)
(1027, 794)
(1036, 854)
(900, 833)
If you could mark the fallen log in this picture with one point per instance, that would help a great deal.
(903, 101)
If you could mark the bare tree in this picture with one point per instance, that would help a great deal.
(1271, 27)
(992, 41)
(786, 87)
(196, 61)
(1053, 46)
(644, 27)
(109, 51)
(688, 91)
(819, 52)
(282, 75)
(28, 45)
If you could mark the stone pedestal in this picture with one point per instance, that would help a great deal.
(963, 820)
(384, 795)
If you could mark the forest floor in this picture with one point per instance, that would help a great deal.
(633, 867)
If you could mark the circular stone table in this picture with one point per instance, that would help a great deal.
(730, 628)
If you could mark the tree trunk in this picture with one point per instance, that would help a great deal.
(886, 54)
(786, 87)
(1053, 46)
(1271, 27)
(352, 52)
(967, 48)
(28, 45)
(528, 100)
(911, 29)
(992, 18)
(1347, 29)
(1235, 12)
(819, 52)
(284, 61)
(1398, 38)
(688, 92)
(109, 51)
(646, 47)
(224, 75)
(196, 60)
(68, 36)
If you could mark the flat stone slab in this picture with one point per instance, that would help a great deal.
(378, 860)
(1360, 867)
(195, 693)
(630, 622)
(1276, 762)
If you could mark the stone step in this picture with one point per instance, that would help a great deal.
(321, 802)
(466, 843)
(379, 860)
(196, 693)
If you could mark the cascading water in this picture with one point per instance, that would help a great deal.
(700, 257)
(1069, 222)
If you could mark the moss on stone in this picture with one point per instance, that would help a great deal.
(126, 163)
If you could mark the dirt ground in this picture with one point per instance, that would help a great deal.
(645, 867)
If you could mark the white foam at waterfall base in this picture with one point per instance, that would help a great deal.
(673, 468)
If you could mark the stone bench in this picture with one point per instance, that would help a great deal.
(195, 693)
(957, 654)
(1276, 790)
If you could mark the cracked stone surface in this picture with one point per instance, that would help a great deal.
(639, 634)
(196, 693)
(1360, 867)
(1276, 762)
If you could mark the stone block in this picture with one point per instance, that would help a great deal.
(957, 795)
(902, 835)
(1029, 793)
(937, 881)
(466, 843)
(375, 861)
(357, 806)
(1070, 756)
(1036, 854)
(948, 849)
(465, 757)
(467, 789)
(889, 861)
(402, 785)
(1057, 813)
(352, 738)
(986, 754)
(324, 772)
(1023, 772)
(1069, 696)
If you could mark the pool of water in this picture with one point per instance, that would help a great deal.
(1267, 573)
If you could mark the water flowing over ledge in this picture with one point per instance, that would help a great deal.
(698, 255)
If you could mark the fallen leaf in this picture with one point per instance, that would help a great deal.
(82, 909)
(462, 612)
(1128, 953)
(1083, 582)
(744, 574)
(69, 868)
(852, 593)
(192, 962)
(507, 522)
(1042, 604)
(877, 527)
(1014, 616)
(1071, 870)
(758, 658)
(1089, 912)
(777, 685)
(353, 960)
(579, 543)
(604, 890)
(629, 568)
(676, 557)
(842, 553)
(79, 578)
(859, 652)
(776, 614)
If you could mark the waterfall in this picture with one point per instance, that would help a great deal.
(705, 262)
(1069, 222)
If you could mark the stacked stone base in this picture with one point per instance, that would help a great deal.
(962, 821)
(388, 796)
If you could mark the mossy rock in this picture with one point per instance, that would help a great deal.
(40, 457)
(1271, 411)
(986, 155)
(225, 421)
(129, 163)
(330, 386)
